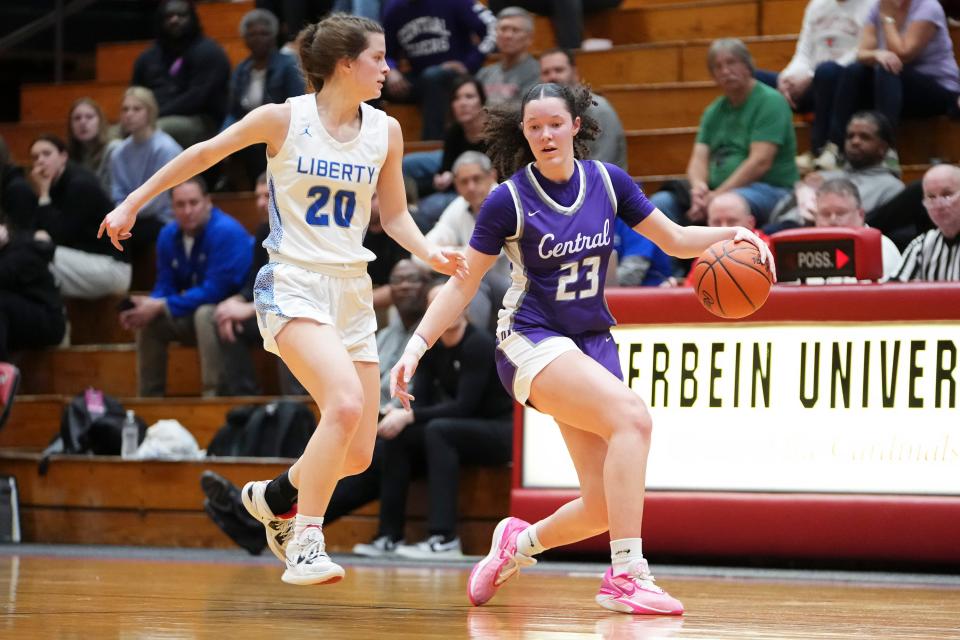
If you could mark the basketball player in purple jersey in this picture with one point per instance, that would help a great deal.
(554, 217)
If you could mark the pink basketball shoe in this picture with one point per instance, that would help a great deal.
(635, 592)
(501, 564)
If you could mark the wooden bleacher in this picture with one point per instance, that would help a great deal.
(34, 418)
(105, 500)
(656, 78)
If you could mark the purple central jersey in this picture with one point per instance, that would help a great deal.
(559, 238)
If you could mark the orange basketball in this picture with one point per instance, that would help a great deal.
(730, 280)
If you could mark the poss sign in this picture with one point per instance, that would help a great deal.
(828, 253)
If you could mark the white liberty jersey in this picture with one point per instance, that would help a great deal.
(320, 189)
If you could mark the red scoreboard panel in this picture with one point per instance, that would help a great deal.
(825, 425)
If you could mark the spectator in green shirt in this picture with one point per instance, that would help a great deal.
(746, 143)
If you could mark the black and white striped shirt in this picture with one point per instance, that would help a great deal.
(930, 257)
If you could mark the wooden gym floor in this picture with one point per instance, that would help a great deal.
(97, 592)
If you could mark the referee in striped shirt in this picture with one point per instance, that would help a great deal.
(935, 255)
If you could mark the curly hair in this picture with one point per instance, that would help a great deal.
(506, 145)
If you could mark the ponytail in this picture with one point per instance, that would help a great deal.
(334, 38)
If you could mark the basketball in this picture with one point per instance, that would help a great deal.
(730, 280)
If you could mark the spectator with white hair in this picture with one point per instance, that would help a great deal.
(566, 15)
(839, 205)
(510, 78)
(474, 178)
(266, 76)
(935, 255)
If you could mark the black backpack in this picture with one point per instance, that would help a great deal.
(82, 433)
(277, 430)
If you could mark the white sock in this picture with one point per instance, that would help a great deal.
(623, 552)
(527, 542)
(303, 521)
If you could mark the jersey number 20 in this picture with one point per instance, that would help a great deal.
(571, 276)
(344, 202)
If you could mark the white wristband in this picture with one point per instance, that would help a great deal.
(417, 345)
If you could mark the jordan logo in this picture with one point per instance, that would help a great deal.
(306, 132)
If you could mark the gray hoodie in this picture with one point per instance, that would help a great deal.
(877, 185)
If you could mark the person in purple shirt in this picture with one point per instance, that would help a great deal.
(555, 217)
(440, 40)
(905, 66)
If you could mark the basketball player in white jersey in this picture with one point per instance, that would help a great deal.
(327, 154)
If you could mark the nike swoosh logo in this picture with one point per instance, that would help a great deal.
(626, 587)
(608, 339)
(533, 213)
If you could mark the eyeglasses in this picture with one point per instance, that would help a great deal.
(940, 201)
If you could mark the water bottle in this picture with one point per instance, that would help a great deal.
(129, 437)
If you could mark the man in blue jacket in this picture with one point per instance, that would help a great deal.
(202, 258)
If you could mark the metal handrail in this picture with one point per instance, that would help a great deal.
(56, 18)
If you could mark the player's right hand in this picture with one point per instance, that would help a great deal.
(400, 377)
(766, 256)
(450, 262)
(118, 224)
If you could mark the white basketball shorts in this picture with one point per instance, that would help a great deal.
(344, 301)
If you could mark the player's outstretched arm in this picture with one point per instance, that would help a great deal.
(267, 124)
(690, 242)
(396, 218)
(453, 298)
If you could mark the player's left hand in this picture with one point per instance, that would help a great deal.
(449, 261)
(766, 256)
